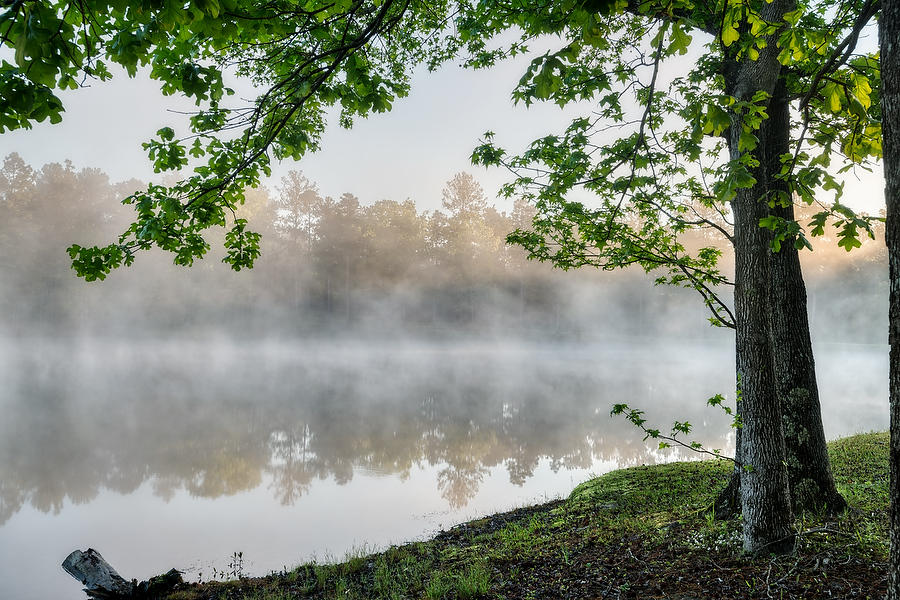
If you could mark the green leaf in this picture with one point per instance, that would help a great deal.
(729, 35)
(21, 44)
(834, 98)
(166, 134)
(716, 120)
(747, 141)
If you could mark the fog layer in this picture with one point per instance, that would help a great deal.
(372, 341)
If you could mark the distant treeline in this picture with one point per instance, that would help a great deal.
(381, 268)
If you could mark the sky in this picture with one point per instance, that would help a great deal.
(409, 153)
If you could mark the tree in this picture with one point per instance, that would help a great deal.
(396, 242)
(889, 33)
(463, 197)
(305, 56)
(341, 245)
(808, 466)
(359, 54)
(470, 240)
(17, 181)
(298, 205)
(650, 177)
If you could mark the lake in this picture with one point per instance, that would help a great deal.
(180, 453)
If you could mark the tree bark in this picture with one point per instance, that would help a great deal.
(765, 499)
(889, 33)
(809, 474)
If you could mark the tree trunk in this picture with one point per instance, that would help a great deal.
(889, 26)
(808, 466)
(810, 480)
(97, 576)
(102, 582)
(765, 499)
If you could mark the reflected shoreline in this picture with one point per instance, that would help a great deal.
(216, 419)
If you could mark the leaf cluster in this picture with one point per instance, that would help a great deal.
(652, 155)
(679, 428)
(303, 55)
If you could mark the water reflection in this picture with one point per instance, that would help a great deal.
(216, 419)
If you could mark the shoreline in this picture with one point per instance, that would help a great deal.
(639, 532)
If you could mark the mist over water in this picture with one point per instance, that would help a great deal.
(215, 419)
(381, 374)
(311, 446)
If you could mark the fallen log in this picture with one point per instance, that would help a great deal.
(102, 582)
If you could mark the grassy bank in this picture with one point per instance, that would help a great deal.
(636, 533)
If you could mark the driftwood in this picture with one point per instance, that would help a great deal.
(101, 581)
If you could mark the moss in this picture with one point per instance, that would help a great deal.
(806, 492)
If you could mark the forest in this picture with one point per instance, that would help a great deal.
(367, 267)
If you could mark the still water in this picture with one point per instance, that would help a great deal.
(165, 454)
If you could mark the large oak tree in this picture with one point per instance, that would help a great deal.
(716, 147)
(709, 138)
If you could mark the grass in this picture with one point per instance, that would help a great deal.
(642, 532)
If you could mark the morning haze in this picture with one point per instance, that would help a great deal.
(403, 364)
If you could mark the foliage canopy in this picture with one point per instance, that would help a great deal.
(302, 56)
(657, 167)
(653, 150)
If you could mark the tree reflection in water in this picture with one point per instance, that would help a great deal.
(215, 420)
